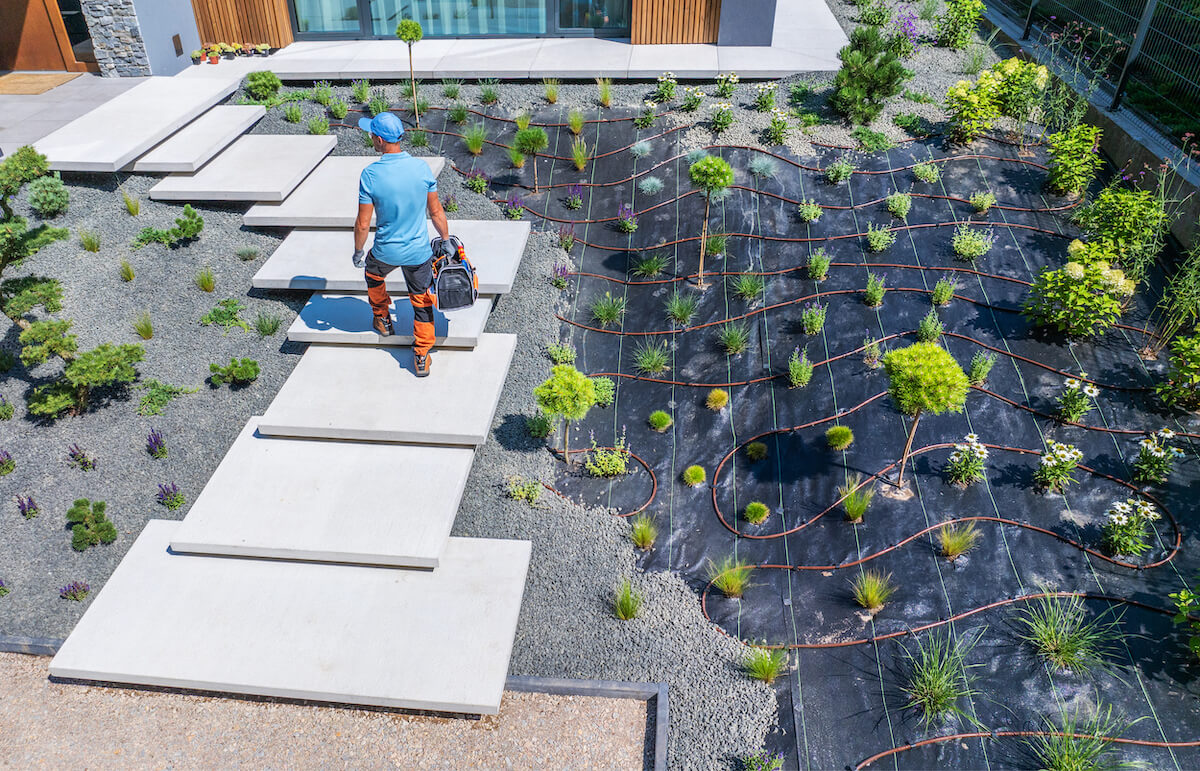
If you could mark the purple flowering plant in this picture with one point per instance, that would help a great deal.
(170, 496)
(155, 444)
(574, 196)
(514, 207)
(905, 38)
(27, 506)
(76, 591)
(477, 182)
(7, 464)
(626, 221)
(80, 459)
(566, 237)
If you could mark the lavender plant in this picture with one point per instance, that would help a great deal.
(876, 289)
(812, 318)
(905, 37)
(3, 588)
(7, 464)
(27, 507)
(872, 351)
(626, 221)
(574, 197)
(170, 496)
(155, 444)
(477, 182)
(566, 237)
(514, 207)
(80, 459)
(800, 369)
(76, 591)
(559, 275)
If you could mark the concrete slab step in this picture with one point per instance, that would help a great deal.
(259, 167)
(368, 503)
(109, 137)
(346, 319)
(433, 640)
(328, 198)
(370, 393)
(320, 259)
(194, 145)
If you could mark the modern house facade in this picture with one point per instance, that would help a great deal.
(144, 37)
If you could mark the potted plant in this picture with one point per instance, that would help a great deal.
(263, 49)
(214, 55)
(197, 56)
(246, 50)
(227, 50)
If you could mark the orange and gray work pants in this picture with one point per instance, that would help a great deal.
(419, 279)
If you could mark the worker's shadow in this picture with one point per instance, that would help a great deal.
(352, 315)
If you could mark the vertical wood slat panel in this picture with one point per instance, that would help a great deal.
(673, 21)
(243, 21)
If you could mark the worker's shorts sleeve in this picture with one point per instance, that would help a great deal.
(364, 188)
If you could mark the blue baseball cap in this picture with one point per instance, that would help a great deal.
(385, 125)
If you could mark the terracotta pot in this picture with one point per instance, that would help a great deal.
(214, 58)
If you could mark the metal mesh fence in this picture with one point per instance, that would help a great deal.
(1163, 82)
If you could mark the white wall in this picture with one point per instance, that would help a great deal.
(159, 21)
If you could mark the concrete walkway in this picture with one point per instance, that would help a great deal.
(26, 118)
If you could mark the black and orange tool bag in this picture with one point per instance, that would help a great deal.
(455, 285)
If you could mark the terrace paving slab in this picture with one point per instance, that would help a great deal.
(259, 167)
(581, 58)
(334, 633)
(196, 144)
(685, 61)
(119, 130)
(342, 319)
(370, 393)
(327, 198)
(320, 259)
(305, 499)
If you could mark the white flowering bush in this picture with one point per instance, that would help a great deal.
(726, 83)
(722, 116)
(966, 462)
(1056, 469)
(1076, 399)
(776, 132)
(1125, 526)
(646, 119)
(1155, 456)
(764, 96)
(1082, 298)
(666, 87)
(692, 97)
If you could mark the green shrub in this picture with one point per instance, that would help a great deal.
(875, 13)
(48, 196)
(521, 489)
(560, 353)
(1080, 299)
(810, 211)
(225, 314)
(694, 476)
(717, 399)
(756, 451)
(982, 201)
(1133, 222)
(839, 438)
(158, 395)
(1075, 159)
(870, 74)
(539, 425)
(927, 172)
(660, 421)
(899, 204)
(765, 664)
(973, 106)
(1180, 386)
(930, 328)
(103, 366)
(839, 171)
(89, 524)
(981, 365)
(872, 141)
(568, 395)
(627, 601)
(956, 26)
(731, 576)
(237, 372)
(923, 378)
(969, 244)
(318, 125)
(756, 512)
(292, 113)
(263, 85)
(911, 122)
(643, 532)
(187, 228)
(872, 589)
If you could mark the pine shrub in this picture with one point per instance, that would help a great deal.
(870, 74)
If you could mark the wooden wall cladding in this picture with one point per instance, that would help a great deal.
(244, 21)
(675, 21)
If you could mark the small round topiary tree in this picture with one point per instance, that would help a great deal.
(529, 142)
(712, 176)
(924, 378)
(409, 30)
(567, 394)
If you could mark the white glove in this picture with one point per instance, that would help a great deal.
(359, 258)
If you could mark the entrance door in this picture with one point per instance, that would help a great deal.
(34, 37)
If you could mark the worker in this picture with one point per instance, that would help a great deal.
(399, 190)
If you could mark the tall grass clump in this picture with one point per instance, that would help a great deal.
(643, 532)
(206, 281)
(1080, 744)
(580, 154)
(127, 273)
(765, 664)
(957, 538)
(575, 121)
(144, 326)
(627, 601)
(652, 358)
(939, 676)
(604, 91)
(682, 307)
(872, 589)
(550, 89)
(730, 576)
(1059, 630)
(856, 500)
(475, 137)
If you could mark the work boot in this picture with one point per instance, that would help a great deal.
(421, 364)
(383, 325)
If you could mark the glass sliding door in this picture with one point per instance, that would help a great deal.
(452, 18)
(611, 15)
(326, 16)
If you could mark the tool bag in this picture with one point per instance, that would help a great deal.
(455, 285)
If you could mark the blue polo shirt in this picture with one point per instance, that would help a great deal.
(397, 185)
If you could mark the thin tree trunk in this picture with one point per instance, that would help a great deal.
(566, 436)
(703, 245)
(413, 81)
(535, 181)
(907, 446)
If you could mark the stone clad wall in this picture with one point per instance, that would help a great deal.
(117, 37)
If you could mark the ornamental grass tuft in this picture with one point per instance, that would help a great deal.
(730, 576)
(765, 664)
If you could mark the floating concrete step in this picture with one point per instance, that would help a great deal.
(433, 640)
(320, 259)
(346, 319)
(124, 127)
(196, 144)
(259, 167)
(369, 503)
(370, 393)
(328, 198)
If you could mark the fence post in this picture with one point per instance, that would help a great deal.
(1033, 4)
(1135, 48)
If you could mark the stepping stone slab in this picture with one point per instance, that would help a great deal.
(326, 501)
(320, 259)
(370, 393)
(328, 198)
(111, 136)
(346, 319)
(196, 144)
(434, 640)
(260, 167)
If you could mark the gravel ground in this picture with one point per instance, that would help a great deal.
(116, 728)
